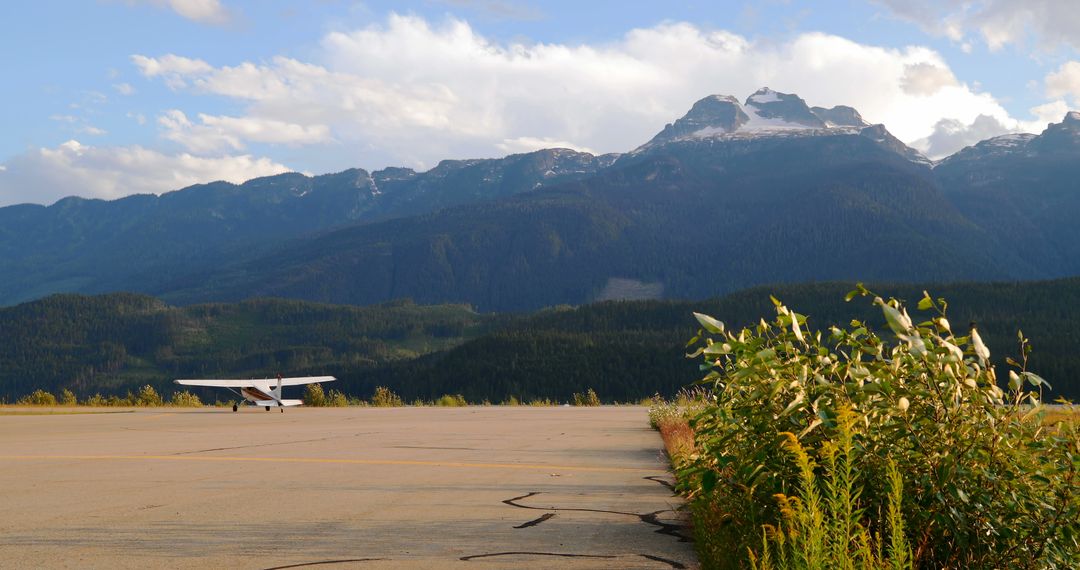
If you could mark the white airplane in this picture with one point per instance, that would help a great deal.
(260, 392)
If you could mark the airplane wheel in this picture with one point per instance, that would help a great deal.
(283, 410)
(268, 408)
(234, 407)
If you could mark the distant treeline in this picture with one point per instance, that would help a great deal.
(627, 350)
(112, 344)
(624, 350)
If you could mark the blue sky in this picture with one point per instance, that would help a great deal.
(114, 97)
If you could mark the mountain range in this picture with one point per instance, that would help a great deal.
(732, 195)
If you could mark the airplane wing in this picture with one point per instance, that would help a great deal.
(231, 383)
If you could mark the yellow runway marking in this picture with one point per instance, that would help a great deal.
(548, 468)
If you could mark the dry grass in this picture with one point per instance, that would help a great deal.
(1055, 416)
(678, 439)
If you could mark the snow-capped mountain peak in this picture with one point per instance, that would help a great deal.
(766, 114)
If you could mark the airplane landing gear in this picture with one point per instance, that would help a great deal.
(234, 407)
(268, 408)
(282, 409)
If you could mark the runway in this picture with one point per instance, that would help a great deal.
(477, 487)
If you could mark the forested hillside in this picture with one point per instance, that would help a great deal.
(624, 350)
(114, 343)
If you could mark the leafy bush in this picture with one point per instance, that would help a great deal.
(37, 398)
(455, 401)
(185, 399)
(984, 484)
(314, 395)
(67, 398)
(96, 400)
(386, 398)
(336, 399)
(589, 398)
(147, 397)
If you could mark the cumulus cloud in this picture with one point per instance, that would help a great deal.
(413, 92)
(951, 135)
(1064, 81)
(926, 79)
(45, 175)
(201, 11)
(92, 131)
(530, 144)
(1046, 113)
(170, 67)
(1050, 23)
(124, 88)
(214, 133)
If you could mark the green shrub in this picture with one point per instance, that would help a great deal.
(337, 399)
(67, 398)
(385, 398)
(686, 404)
(984, 484)
(185, 399)
(511, 401)
(37, 398)
(96, 400)
(589, 398)
(455, 401)
(314, 395)
(148, 397)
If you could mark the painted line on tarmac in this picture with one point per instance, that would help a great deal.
(317, 460)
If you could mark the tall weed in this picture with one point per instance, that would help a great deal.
(985, 485)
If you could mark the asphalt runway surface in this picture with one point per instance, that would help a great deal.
(477, 487)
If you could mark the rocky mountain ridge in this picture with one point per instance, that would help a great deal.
(791, 187)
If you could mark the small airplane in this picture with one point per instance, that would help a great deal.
(259, 392)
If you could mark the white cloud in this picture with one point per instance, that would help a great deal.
(44, 175)
(171, 67)
(951, 135)
(1050, 23)
(530, 144)
(214, 133)
(1064, 81)
(1051, 112)
(92, 130)
(124, 88)
(204, 11)
(926, 79)
(201, 11)
(408, 91)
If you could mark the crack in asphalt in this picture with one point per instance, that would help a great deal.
(660, 480)
(536, 521)
(652, 518)
(251, 446)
